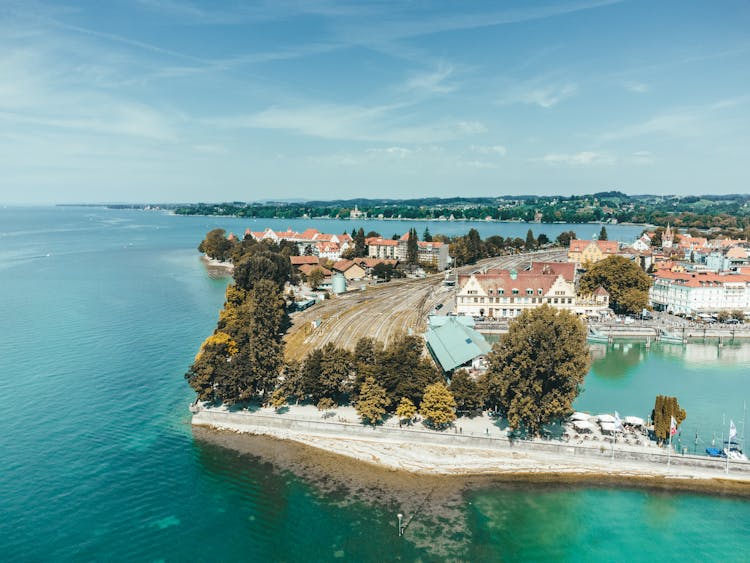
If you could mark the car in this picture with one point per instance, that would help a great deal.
(438, 306)
(732, 321)
(629, 320)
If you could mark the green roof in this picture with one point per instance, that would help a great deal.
(452, 344)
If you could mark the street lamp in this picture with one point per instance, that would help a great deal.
(400, 526)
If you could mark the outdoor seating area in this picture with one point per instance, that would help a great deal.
(584, 427)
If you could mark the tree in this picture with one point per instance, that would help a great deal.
(542, 240)
(603, 233)
(426, 236)
(467, 393)
(406, 409)
(372, 402)
(738, 314)
(360, 249)
(664, 409)
(626, 283)
(564, 238)
(278, 399)
(412, 248)
(216, 245)
(403, 371)
(530, 243)
(315, 277)
(438, 405)
(538, 366)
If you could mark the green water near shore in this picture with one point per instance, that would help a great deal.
(102, 311)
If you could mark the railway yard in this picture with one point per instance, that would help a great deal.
(386, 310)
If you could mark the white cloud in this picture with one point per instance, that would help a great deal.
(354, 123)
(583, 158)
(434, 82)
(498, 150)
(637, 87)
(539, 92)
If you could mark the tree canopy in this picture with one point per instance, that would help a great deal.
(664, 409)
(372, 402)
(626, 283)
(216, 245)
(537, 367)
(438, 405)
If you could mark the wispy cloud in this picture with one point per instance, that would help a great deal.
(497, 150)
(354, 123)
(637, 87)
(583, 158)
(433, 82)
(540, 92)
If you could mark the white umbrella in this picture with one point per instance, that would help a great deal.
(605, 418)
(583, 425)
(580, 416)
(634, 421)
(608, 427)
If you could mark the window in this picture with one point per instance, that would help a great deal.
(515, 292)
(529, 291)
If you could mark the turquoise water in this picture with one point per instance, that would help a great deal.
(101, 313)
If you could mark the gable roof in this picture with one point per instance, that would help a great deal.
(307, 268)
(299, 260)
(606, 246)
(452, 344)
(565, 269)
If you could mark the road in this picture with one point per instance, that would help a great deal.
(387, 310)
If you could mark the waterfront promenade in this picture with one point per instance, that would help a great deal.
(481, 446)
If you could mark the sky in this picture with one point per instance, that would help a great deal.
(171, 101)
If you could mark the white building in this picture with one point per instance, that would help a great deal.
(689, 293)
(505, 294)
(432, 253)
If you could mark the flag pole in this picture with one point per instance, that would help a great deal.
(672, 432)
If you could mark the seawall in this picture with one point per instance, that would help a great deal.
(445, 453)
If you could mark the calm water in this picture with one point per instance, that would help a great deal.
(102, 311)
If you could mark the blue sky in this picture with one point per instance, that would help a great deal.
(164, 100)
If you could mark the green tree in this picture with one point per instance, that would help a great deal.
(292, 381)
(365, 356)
(738, 314)
(564, 238)
(542, 240)
(412, 247)
(315, 277)
(406, 409)
(626, 283)
(360, 249)
(426, 236)
(538, 366)
(438, 405)
(403, 371)
(664, 409)
(216, 245)
(278, 399)
(467, 393)
(372, 402)
(603, 233)
(530, 243)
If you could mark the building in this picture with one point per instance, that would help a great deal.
(582, 252)
(350, 269)
(453, 343)
(428, 253)
(505, 294)
(691, 293)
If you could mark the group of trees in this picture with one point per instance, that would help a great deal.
(243, 358)
(703, 212)
(626, 283)
(470, 247)
(666, 408)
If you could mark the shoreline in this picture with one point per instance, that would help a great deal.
(441, 455)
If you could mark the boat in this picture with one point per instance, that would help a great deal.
(596, 336)
(670, 338)
(733, 451)
(715, 452)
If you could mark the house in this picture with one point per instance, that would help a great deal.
(429, 253)
(453, 342)
(350, 269)
(307, 268)
(298, 261)
(582, 252)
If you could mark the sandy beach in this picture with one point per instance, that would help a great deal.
(479, 447)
